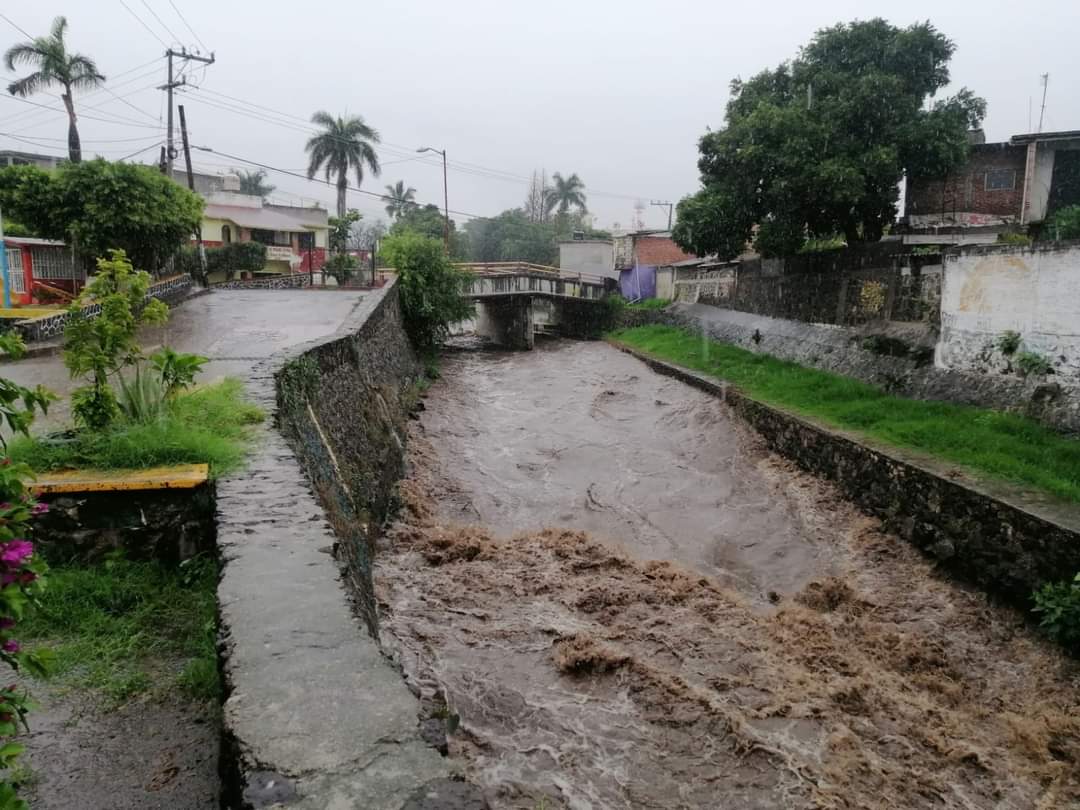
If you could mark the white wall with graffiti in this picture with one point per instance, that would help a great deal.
(1003, 307)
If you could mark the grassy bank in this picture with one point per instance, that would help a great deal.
(207, 425)
(1000, 445)
(125, 628)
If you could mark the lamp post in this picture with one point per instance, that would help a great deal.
(446, 196)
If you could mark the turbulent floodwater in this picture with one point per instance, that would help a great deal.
(616, 598)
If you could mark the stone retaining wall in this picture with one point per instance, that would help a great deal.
(170, 525)
(293, 281)
(315, 716)
(171, 290)
(1004, 540)
(894, 356)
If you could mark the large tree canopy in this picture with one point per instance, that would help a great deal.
(99, 206)
(817, 146)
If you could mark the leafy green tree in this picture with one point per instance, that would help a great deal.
(254, 183)
(399, 199)
(565, 194)
(54, 66)
(344, 146)
(817, 146)
(429, 220)
(97, 347)
(97, 206)
(512, 236)
(429, 285)
(1063, 224)
(341, 228)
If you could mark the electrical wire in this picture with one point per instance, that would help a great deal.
(183, 19)
(39, 144)
(144, 25)
(162, 22)
(27, 115)
(91, 117)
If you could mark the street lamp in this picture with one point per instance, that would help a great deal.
(446, 196)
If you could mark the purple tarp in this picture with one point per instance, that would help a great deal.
(637, 283)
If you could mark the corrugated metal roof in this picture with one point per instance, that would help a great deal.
(260, 218)
(32, 240)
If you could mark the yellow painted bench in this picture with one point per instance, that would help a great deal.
(182, 476)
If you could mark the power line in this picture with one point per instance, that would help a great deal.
(189, 28)
(161, 21)
(39, 144)
(91, 117)
(91, 140)
(268, 167)
(18, 28)
(150, 30)
(140, 151)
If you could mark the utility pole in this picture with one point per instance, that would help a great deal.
(170, 150)
(191, 185)
(1042, 110)
(446, 195)
(664, 204)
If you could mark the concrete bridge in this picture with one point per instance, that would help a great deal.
(515, 301)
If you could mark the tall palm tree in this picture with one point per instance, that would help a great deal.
(565, 194)
(254, 183)
(344, 145)
(399, 199)
(72, 71)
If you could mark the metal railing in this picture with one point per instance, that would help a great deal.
(527, 269)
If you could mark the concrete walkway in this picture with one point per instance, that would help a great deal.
(234, 328)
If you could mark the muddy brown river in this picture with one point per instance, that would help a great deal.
(614, 597)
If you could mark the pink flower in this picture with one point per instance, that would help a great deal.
(11, 646)
(39, 508)
(15, 551)
(7, 579)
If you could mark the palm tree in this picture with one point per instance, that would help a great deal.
(399, 199)
(254, 183)
(343, 145)
(72, 71)
(565, 194)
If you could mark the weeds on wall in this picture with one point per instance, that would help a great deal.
(1031, 364)
(1058, 606)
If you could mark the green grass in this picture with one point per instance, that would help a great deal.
(651, 303)
(125, 628)
(209, 425)
(1004, 446)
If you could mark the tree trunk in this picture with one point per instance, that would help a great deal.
(74, 145)
(342, 188)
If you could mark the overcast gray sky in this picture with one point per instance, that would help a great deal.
(618, 92)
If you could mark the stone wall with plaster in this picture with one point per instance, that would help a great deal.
(1033, 291)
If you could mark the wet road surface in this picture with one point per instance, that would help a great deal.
(578, 590)
(234, 328)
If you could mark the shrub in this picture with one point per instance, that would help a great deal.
(341, 267)
(1064, 224)
(1032, 364)
(176, 370)
(1059, 607)
(1008, 342)
(430, 287)
(236, 257)
(97, 206)
(142, 398)
(1012, 238)
(95, 348)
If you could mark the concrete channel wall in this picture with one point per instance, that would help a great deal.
(315, 716)
(1004, 540)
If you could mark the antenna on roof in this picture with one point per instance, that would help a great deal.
(1042, 111)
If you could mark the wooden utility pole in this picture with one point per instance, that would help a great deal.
(169, 86)
(191, 185)
(1042, 110)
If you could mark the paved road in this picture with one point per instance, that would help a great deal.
(234, 328)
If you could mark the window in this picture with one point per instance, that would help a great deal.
(271, 238)
(1001, 179)
(226, 234)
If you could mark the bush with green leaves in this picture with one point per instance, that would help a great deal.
(1063, 224)
(1014, 238)
(176, 370)
(1031, 364)
(96, 348)
(1058, 605)
(341, 267)
(96, 206)
(429, 285)
(1008, 342)
(21, 569)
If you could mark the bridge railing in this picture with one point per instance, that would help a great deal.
(494, 269)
